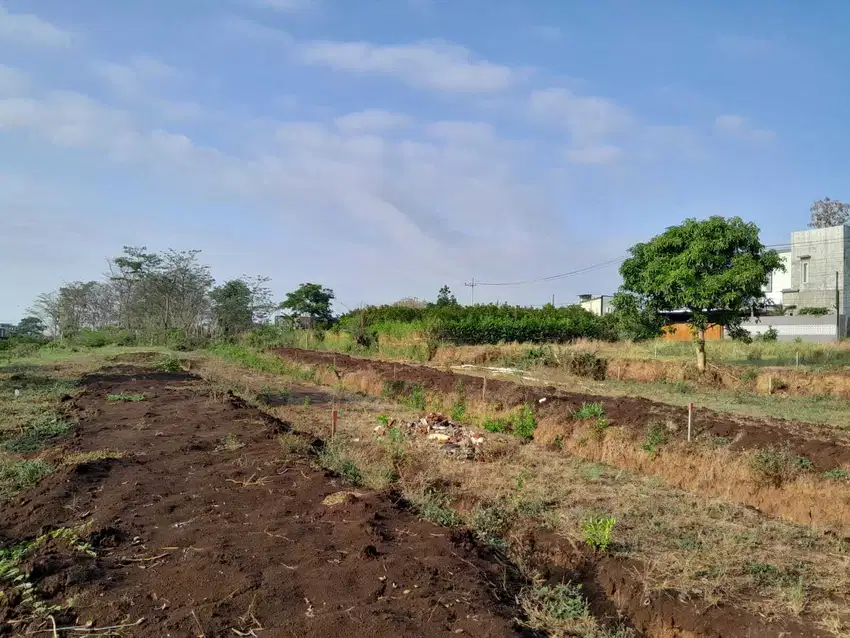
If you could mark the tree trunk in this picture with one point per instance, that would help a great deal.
(700, 346)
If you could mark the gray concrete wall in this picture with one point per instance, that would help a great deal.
(807, 328)
(826, 250)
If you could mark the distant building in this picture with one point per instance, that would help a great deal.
(779, 280)
(6, 330)
(815, 257)
(599, 306)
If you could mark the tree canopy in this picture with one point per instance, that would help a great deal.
(828, 212)
(311, 300)
(445, 297)
(30, 327)
(715, 268)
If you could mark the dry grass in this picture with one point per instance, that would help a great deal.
(712, 550)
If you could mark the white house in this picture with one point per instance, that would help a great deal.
(599, 306)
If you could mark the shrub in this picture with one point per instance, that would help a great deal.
(524, 422)
(599, 531)
(816, 312)
(775, 466)
(771, 334)
(170, 364)
(416, 397)
(495, 425)
(656, 436)
(130, 398)
(587, 364)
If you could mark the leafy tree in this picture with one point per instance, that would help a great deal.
(30, 327)
(232, 307)
(46, 308)
(311, 300)
(828, 212)
(715, 268)
(445, 297)
(633, 319)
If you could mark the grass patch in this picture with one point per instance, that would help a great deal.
(79, 458)
(129, 398)
(495, 424)
(562, 610)
(18, 475)
(36, 435)
(229, 443)
(589, 411)
(334, 457)
(524, 423)
(656, 435)
(777, 465)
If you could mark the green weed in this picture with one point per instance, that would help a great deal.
(115, 398)
(170, 364)
(589, 411)
(524, 423)
(495, 425)
(837, 474)
(415, 398)
(599, 531)
(656, 436)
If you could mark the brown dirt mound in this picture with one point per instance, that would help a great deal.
(201, 534)
(803, 439)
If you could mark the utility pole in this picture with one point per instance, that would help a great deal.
(472, 285)
(837, 311)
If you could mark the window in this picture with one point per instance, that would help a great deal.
(770, 283)
(805, 271)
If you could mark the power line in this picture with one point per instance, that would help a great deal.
(572, 273)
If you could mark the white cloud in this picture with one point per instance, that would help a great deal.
(462, 132)
(372, 120)
(137, 77)
(287, 6)
(586, 119)
(602, 154)
(433, 65)
(741, 128)
(13, 81)
(30, 30)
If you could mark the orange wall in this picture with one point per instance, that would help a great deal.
(682, 332)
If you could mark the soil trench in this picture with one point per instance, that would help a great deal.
(802, 439)
(202, 530)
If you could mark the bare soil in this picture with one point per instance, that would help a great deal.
(805, 440)
(198, 534)
(205, 527)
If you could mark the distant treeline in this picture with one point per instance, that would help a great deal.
(486, 324)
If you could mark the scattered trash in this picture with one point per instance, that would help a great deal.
(454, 438)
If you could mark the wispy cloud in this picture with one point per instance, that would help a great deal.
(601, 154)
(372, 120)
(13, 81)
(741, 128)
(433, 65)
(136, 77)
(585, 118)
(27, 29)
(287, 6)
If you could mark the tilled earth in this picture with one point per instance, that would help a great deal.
(826, 449)
(204, 527)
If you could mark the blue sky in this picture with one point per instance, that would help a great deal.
(386, 147)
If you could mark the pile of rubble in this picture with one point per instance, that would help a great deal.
(454, 438)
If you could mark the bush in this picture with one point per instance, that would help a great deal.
(771, 334)
(524, 423)
(816, 312)
(776, 466)
(587, 364)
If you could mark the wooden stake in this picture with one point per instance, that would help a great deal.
(334, 415)
(770, 384)
(690, 419)
(484, 390)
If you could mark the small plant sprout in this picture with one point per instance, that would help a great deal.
(599, 532)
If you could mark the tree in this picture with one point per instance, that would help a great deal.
(232, 307)
(310, 300)
(828, 212)
(30, 327)
(445, 297)
(632, 319)
(715, 268)
(46, 308)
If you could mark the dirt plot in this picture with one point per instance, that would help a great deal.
(185, 521)
(825, 450)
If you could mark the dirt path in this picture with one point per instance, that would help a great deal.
(805, 440)
(201, 529)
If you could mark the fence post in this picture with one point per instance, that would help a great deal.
(690, 419)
